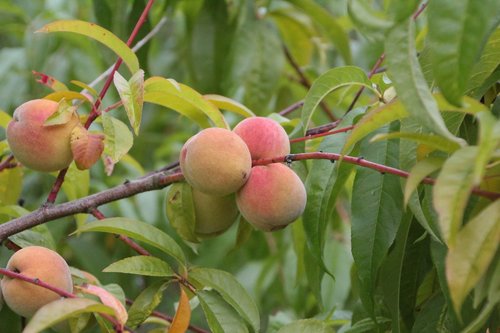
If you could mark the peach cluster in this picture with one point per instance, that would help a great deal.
(217, 163)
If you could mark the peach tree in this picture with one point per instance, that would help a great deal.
(250, 166)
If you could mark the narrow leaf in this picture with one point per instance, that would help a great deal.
(132, 95)
(331, 80)
(232, 292)
(476, 245)
(457, 31)
(49, 81)
(137, 230)
(141, 265)
(221, 317)
(145, 303)
(432, 141)
(184, 100)
(225, 103)
(180, 323)
(62, 309)
(409, 81)
(307, 325)
(421, 170)
(99, 34)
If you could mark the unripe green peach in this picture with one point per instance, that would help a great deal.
(39, 147)
(264, 137)
(213, 214)
(215, 161)
(273, 197)
(38, 262)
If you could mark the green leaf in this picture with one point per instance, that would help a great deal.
(119, 138)
(376, 214)
(141, 265)
(180, 211)
(57, 311)
(228, 104)
(468, 260)
(402, 9)
(11, 181)
(221, 317)
(421, 170)
(77, 185)
(373, 25)
(489, 61)
(433, 141)
(329, 25)
(39, 235)
(457, 31)
(137, 230)
(231, 290)
(183, 99)
(145, 303)
(99, 34)
(5, 119)
(331, 80)
(367, 325)
(132, 95)
(409, 81)
(306, 325)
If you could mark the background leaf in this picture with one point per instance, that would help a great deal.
(141, 265)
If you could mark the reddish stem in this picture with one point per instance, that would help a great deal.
(136, 247)
(7, 163)
(56, 187)
(323, 128)
(364, 163)
(314, 136)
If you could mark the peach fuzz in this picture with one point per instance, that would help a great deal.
(39, 147)
(38, 262)
(215, 161)
(264, 137)
(273, 197)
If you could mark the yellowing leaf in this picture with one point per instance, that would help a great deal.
(107, 299)
(180, 323)
(64, 113)
(226, 103)
(99, 34)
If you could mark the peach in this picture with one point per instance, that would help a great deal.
(215, 161)
(39, 147)
(37, 262)
(264, 137)
(273, 197)
(213, 214)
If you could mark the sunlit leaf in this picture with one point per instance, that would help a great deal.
(67, 95)
(137, 230)
(11, 181)
(228, 104)
(180, 323)
(132, 95)
(5, 119)
(406, 74)
(64, 114)
(62, 309)
(145, 303)
(141, 265)
(331, 80)
(182, 99)
(221, 317)
(457, 30)
(475, 247)
(99, 34)
(231, 290)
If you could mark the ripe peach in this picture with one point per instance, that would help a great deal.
(215, 161)
(37, 262)
(39, 147)
(264, 137)
(213, 214)
(273, 197)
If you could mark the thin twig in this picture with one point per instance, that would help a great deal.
(310, 137)
(7, 163)
(291, 108)
(305, 81)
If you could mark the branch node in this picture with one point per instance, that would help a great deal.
(289, 159)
